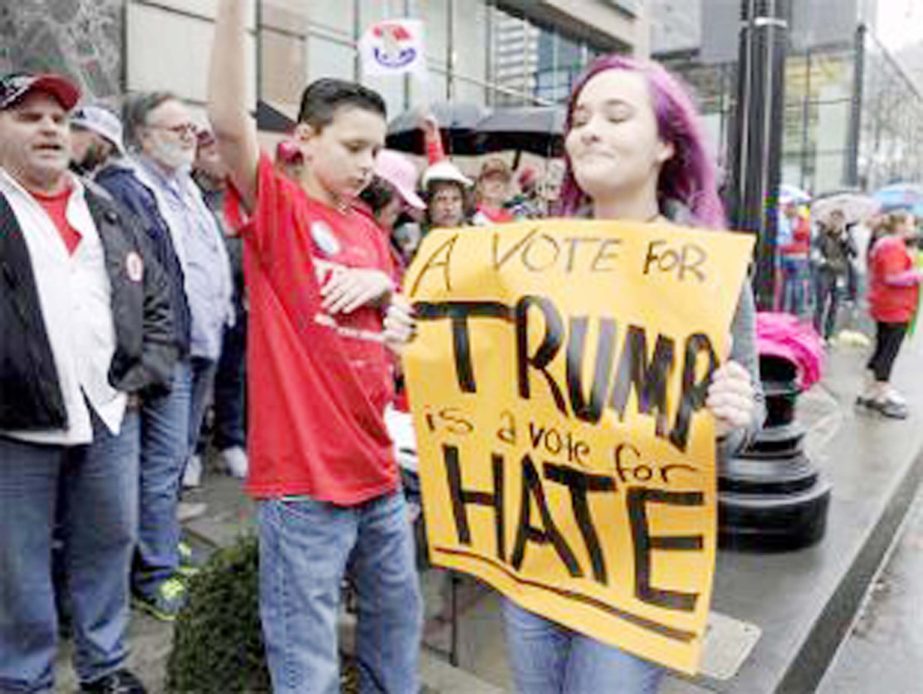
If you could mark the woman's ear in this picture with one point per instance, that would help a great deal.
(665, 151)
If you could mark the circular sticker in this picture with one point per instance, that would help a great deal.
(325, 239)
(134, 267)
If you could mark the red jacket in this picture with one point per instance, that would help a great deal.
(894, 284)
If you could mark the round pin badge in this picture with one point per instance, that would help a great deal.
(134, 267)
(325, 239)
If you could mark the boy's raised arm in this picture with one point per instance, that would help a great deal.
(234, 129)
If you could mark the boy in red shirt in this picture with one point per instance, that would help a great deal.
(319, 282)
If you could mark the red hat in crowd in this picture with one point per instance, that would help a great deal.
(527, 177)
(17, 86)
(288, 152)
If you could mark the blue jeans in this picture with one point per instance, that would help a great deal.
(203, 379)
(306, 546)
(95, 487)
(794, 284)
(548, 658)
(230, 387)
(164, 445)
(828, 302)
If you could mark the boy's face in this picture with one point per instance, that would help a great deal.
(341, 157)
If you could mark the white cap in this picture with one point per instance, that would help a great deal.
(445, 171)
(101, 121)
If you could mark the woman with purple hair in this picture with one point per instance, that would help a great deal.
(635, 152)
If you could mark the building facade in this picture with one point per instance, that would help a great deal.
(487, 52)
(853, 117)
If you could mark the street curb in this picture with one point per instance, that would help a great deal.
(832, 626)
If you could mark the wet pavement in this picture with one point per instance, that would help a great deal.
(884, 651)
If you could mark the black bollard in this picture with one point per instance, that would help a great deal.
(772, 498)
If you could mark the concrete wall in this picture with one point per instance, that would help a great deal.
(80, 38)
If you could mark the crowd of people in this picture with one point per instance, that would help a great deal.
(838, 262)
(154, 268)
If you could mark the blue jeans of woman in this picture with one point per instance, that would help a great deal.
(548, 658)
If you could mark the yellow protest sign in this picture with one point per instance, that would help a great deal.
(557, 383)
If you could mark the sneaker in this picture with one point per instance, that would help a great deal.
(119, 682)
(190, 561)
(189, 510)
(895, 396)
(192, 475)
(892, 409)
(234, 462)
(166, 602)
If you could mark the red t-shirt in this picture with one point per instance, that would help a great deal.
(889, 303)
(497, 216)
(801, 239)
(318, 384)
(56, 208)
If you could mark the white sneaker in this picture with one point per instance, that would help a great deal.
(188, 510)
(234, 462)
(894, 396)
(192, 477)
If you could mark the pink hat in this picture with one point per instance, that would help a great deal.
(399, 171)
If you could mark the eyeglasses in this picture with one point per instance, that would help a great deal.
(183, 129)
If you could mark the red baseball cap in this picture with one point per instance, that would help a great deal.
(289, 152)
(16, 86)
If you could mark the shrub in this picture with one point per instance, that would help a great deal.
(218, 642)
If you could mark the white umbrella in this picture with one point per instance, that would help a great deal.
(855, 206)
(792, 194)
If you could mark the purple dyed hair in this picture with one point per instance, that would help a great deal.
(689, 176)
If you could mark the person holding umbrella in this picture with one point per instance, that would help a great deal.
(835, 251)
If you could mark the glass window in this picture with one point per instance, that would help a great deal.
(470, 37)
(284, 68)
(328, 58)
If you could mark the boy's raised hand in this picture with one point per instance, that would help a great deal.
(347, 289)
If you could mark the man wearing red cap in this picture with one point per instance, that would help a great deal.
(87, 327)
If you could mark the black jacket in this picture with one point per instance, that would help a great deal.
(122, 183)
(30, 394)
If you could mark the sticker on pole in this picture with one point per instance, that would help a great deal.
(393, 47)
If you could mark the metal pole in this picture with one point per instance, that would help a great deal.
(757, 144)
(450, 50)
(259, 51)
(855, 115)
(357, 33)
(806, 118)
(406, 12)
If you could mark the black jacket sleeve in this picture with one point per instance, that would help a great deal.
(158, 350)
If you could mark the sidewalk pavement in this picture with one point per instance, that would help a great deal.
(802, 601)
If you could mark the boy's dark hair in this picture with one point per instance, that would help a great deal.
(321, 99)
